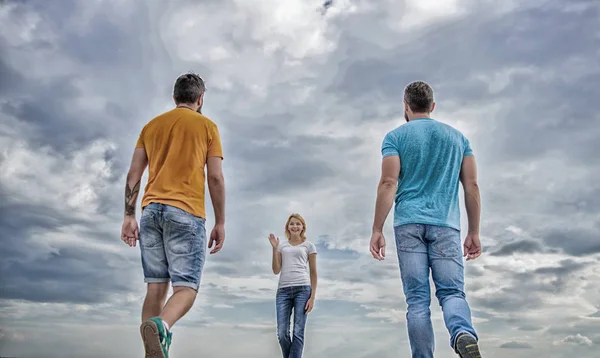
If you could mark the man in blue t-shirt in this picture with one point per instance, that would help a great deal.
(423, 162)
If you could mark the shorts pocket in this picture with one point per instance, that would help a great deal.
(182, 240)
(150, 235)
(181, 222)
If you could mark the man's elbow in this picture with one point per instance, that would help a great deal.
(470, 185)
(387, 183)
(134, 174)
(215, 178)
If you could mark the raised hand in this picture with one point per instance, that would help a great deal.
(274, 241)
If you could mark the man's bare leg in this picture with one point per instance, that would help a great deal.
(178, 305)
(156, 294)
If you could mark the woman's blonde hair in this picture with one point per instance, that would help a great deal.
(301, 219)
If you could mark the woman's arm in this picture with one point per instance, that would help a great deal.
(312, 263)
(276, 261)
(276, 265)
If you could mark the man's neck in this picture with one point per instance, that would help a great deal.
(419, 116)
(185, 105)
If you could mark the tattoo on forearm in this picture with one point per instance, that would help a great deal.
(131, 195)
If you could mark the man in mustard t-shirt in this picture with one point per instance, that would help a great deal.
(176, 146)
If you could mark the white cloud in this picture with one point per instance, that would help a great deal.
(411, 15)
(576, 340)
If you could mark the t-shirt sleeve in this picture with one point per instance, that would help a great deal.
(312, 249)
(140, 141)
(389, 147)
(280, 246)
(214, 142)
(468, 149)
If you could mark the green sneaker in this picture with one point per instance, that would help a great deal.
(157, 339)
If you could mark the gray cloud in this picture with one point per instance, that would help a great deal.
(75, 271)
(56, 110)
(574, 241)
(68, 275)
(519, 247)
(474, 271)
(538, 283)
(530, 328)
(509, 299)
(516, 345)
(298, 162)
(36, 272)
(566, 267)
(595, 315)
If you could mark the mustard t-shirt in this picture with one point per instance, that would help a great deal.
(178, 144)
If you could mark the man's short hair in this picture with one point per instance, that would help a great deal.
(419, 96)
(188, 88)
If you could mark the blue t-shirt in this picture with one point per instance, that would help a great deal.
(431, 155)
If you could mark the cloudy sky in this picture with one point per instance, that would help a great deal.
(303, 96)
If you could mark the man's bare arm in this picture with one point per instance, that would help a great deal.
(390, 170)
(468, 178)
(216, 187)
(139, 162)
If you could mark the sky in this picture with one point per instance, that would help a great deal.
(303, 92)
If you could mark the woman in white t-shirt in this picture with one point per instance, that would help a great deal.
(296, 260)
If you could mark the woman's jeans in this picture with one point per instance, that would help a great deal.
(288, 298)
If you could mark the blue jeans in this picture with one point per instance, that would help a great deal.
(172, 245)
(288, 298)
(421, 247)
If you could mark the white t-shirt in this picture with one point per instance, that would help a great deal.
(294, 263)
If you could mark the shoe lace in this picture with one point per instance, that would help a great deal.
(165, 341)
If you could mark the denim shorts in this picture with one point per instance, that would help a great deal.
(172, 245)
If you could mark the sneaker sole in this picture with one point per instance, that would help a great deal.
(151, 339)
(469, 349)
